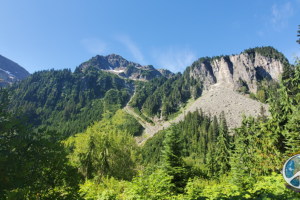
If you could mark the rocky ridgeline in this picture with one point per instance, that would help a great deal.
(116, 64)
(237, 67)
(11, 72)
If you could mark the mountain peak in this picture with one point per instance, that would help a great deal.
(118, 65)
(11, 72)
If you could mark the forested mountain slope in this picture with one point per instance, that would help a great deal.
(69, 102)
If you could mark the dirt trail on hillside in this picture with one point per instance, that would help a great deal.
(218, 98)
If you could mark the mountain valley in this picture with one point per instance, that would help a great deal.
(112, 119)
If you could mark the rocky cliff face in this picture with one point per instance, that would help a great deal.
(11, 72)
(233, 69)
(116, 64)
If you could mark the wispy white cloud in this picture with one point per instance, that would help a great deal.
(280, 15)
(260, 33)
(132, 48)
(94, 46)
(174, 58)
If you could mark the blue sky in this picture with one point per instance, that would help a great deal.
(168, 34)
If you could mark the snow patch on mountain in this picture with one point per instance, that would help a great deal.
(8, 72)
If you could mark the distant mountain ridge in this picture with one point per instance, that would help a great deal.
(156, 96)
(11, 72)
(116, 64)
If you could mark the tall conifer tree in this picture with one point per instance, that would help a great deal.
(236, 163)
(211, 161)
(223, 152)
(172, 158)
(223, 121)
(215, 129)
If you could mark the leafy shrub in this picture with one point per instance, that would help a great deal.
(156, 186)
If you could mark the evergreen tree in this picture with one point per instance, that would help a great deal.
(215, 129)
(287, 72)
(261, 116)
(236, 163)
(292, 102)
(223, 152)
(172, 158)
(211, 165)
(223, 121)
(243, 157)
(89, 158)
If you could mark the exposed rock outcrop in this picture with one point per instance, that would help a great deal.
(11, 72)
(116, 64)
(236, 68)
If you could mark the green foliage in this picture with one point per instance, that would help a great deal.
(244, 89)
(104, 150)
(290, 103)
(211, 165)
(131, 69)
(209, 60)
(261, 116)
(32, 164)
(268, 51)
(241, 157)
(164, 97)
(108, 188)
(243, 86)
(223, 152)
(261, 96)
(252, 96)
(267, 187)
(199, 139)
(147, 72)
(157, 185)
(172, 163)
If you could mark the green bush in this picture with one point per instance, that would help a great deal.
(155, 186)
